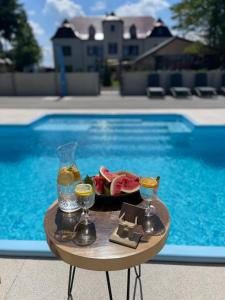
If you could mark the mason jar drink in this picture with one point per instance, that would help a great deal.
(68, 178)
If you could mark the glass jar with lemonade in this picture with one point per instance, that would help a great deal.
(68, 178)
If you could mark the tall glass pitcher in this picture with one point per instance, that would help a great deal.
(68, 177)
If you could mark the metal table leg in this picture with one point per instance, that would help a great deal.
(109, 285)
(70, 283)
(137, 280)
(128, 284)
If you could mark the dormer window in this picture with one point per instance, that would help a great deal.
(133, 32)
(112, 28)
(91, 32)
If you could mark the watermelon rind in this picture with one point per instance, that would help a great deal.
(131, 184)
(115, 181)
(109, 176)
(127, 184)
(129, 191)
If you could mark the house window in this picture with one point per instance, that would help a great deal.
(66, 50)
(90, 50)
(100, 52)
(132, 50)
(91, 32)
(112, 28)
(94, 51)
(68, 68)
(133, 32)
(112, 48)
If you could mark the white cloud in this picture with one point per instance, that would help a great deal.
(175, 32)
(47, 53)
(57, 23)
(36, 27)
(5, 44)
(64, 8)
(31, 12)
(195, 36)
(98, 6)
(142, 7)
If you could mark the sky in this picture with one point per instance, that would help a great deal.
(46, 15)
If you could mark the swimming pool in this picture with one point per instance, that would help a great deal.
(190, 160)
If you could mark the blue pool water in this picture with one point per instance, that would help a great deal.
(190, 161)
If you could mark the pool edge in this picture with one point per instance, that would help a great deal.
(170, 253)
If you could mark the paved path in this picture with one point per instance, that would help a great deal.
(23, 110)
(27, 116)
(109, 101)
(27, 279)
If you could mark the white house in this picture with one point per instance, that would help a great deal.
(87, 43)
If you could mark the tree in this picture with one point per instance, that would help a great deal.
(15, 29)
(9, 13)
(26, 51)
(204, 17)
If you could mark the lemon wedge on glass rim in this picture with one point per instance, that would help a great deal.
(148, 182)
(83, 189)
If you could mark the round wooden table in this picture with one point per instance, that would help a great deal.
(102, 255)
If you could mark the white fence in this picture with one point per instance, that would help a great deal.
(48, 84)
(135, 83)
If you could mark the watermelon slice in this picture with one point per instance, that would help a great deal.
(128, 174)
(116, 185)
(99, 184)
(109, 176)
(130, 184)
(124, 184)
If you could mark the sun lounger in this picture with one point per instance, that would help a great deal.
(176, 86)
(223, 84)
(201, 86)
(154, 89)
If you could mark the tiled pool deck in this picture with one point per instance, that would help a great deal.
(197, 116)
(47, 279)
(27, 279)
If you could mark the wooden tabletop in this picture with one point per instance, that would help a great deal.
(103, 255)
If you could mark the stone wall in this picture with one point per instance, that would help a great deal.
(48, 84)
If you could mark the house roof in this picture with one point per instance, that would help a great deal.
(158, 47)
(80, 25)
(160, 30)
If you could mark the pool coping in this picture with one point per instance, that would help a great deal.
(173, 253)
(170, 253)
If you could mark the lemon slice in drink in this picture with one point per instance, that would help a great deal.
(65, 177)
(148, 182)
(83, 189)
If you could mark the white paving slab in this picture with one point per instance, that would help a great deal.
(27, 116)
(47, 279)
(9, 271)
(111, 100)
